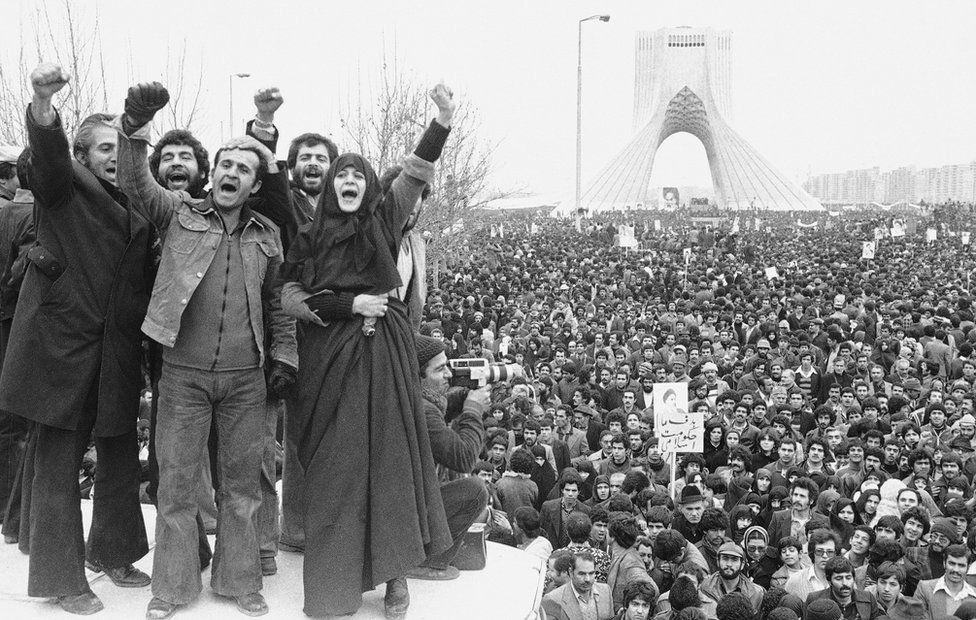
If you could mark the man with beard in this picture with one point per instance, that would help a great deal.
(855, 604)
(729, 578)
(582, 597)
(530, 438)
(941, 597)
(931, 559)
(456, 448)
(179, 162)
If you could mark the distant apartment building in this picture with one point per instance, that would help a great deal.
(908, 183)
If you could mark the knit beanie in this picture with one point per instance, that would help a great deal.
(427, 349)
(945, 527)
(823, 609)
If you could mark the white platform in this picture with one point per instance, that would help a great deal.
(508, 588)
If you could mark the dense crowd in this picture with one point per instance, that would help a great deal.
(280, 324)
(837, 391)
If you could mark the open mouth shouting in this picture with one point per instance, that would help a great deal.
(350, 185)
(177, 179)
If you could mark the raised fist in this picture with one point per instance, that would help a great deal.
(443, 98)
(144, 100)
(267, 101)
(47, 79)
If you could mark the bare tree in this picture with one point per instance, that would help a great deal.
(185, 93)
(389, 126)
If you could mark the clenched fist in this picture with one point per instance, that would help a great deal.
(47, 79)
(144, 100)
(267, 101)
(443, 98)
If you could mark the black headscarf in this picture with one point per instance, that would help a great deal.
(341, 251)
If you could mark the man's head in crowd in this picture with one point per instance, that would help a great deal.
(237, 173)
(179, 162)
(309, 158)
(96, 147)
(822, 546)
(583, 572)
(560, 566)
(956, 564)
(640, 599)
(840, 575)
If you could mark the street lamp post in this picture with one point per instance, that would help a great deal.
(230, 82)
(579, 101)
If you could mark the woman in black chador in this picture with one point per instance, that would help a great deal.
(372, 504)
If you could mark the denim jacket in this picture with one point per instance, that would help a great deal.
(191, 230)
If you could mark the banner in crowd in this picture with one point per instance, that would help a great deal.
(931, 235)
(772, 273)
(625, 236)
(867, 250)
(965, 237)
(677, 429)
(897, 228)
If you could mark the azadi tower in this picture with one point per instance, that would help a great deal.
(684, 83)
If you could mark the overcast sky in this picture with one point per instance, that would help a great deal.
(819, 86)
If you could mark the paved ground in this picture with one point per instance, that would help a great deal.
(473, 596)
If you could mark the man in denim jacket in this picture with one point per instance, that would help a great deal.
(217, 281)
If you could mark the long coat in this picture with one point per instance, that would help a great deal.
(85, 293)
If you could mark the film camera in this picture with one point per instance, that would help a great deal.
(475, 373)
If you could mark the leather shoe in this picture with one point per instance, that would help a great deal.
(269, 566)
(159, 609)
(251, 604)
(83, 604)
(127, 576)
(428, 573)
(397, 599)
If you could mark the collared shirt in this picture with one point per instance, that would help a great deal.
(967, 591)
(405, 268)
(587, 605)
(804, 582)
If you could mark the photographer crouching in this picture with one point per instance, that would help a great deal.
(456, 448)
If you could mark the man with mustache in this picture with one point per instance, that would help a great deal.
(179, 162)
(853, 603)
(941, 597)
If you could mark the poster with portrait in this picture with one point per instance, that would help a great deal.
(677, 429)
(671, 197)
(868, 249)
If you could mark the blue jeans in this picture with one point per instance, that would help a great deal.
(188, 400)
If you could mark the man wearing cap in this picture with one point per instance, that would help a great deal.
(854, 603)
(9, 182)
(690, 509)
(715, 385)
(456, 448)
(931, 559)
(729, 577)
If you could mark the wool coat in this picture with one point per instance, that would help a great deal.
(85, 293)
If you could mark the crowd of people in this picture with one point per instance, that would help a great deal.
(279, 315)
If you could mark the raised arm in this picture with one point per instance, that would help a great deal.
(418, 167)
(262, 128)
(147, 196)
(51, 159)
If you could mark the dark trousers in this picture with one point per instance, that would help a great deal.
(13, 436)
(57, 540)
(292, 482)
(13, 443)
(16, 520)
(464, 501)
